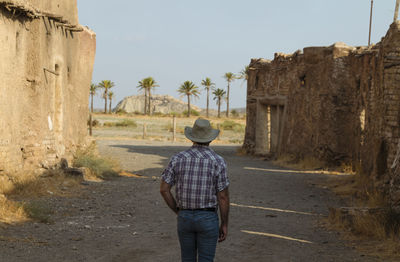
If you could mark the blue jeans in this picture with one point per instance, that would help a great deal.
(198, 234)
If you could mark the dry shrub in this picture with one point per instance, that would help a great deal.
(99, 167)
(11, 211)
(372, 222)
(306, 163)
(52, 182)
(122, 123)
(232, 125)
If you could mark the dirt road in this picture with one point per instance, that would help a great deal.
(274, 215)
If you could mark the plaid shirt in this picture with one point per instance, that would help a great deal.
(198, 175)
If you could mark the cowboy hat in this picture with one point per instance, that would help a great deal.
(201, 132)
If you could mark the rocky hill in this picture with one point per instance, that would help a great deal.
(163, 104)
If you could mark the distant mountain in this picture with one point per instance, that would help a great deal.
(163, 104)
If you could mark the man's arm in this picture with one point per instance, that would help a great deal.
(165, 190)
(223, 202)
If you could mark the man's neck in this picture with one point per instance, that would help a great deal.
(200, 144)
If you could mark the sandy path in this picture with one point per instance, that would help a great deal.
(275, 217)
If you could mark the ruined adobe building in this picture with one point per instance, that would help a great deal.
(45, 70)
(340, 104)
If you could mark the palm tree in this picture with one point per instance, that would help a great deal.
(219, 94)
(106, 84)
(142, 86)
(93, 89)
(147, 84)
(207, 85)
(244, 74)
(229, 77)
(150, 84)
(188, 88)
(110, 97)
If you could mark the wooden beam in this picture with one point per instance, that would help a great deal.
(396, 11)
(370, 23)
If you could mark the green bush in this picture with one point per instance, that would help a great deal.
(123, 123)
(121, 112)
(95, 122)
(234, 113)
(232, 125)
(100, 167)
(192, 112)
(38, 211)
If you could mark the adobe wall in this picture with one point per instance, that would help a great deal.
(46, 71)
(339, 104)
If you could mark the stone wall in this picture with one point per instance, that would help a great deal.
(339, 104)
(46, 70)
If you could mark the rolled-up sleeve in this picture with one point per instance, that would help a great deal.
(168, 175)
(222, 177)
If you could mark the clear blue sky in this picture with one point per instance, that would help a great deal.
(178, 40)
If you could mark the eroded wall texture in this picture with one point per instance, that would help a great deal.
(45, 70)
(339, 104)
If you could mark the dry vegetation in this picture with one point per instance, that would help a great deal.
(160, 127)
(367, 221)
(23, 196)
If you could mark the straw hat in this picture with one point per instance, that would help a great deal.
(201, 132)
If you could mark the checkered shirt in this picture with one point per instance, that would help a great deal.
(198, 175)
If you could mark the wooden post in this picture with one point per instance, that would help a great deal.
(144, 130)
(173, 129)
(90, 124)
(370, 23)
(396, 11)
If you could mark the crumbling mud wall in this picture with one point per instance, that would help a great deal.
(340, 104)
(46, 69)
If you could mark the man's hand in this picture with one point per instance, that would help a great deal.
(223, 201)
(223, 232)
(165, 190)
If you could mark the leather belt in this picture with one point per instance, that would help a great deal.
(213, 209)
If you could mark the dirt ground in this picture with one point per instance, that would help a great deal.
(275, 215)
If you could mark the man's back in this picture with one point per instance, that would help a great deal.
(198, 174)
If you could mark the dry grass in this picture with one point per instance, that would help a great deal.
(307, 163)
(52, 182)
(20, 194)
(98, 167)
(12, 212)
(373, 225)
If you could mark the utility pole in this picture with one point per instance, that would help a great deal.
(370, 22)
(396, 11)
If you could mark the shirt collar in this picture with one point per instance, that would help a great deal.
(200, 146)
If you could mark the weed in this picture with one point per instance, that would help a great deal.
(123, 123)
(232, 125)
(38, 211)
(50, 182)
(95, 122)
(306, 163)
(100, 167)
(11, 211)
(121, 112)
(192, 112)
(234, 113)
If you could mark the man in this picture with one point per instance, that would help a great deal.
(201, 185)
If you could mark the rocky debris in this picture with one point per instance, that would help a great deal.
(71, 171)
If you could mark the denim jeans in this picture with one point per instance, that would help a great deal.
(198, 235)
